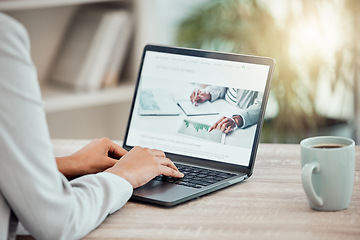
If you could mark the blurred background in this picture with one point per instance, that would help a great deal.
(315, 88)
(314, 43)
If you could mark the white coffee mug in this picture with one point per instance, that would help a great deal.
(328, 169)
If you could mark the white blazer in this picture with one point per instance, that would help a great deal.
(31, 187)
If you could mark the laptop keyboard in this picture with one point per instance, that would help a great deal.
(196, 177)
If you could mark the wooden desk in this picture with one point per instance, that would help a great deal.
(269, 205)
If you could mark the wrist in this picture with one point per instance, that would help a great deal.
(121, 173)
(233, 120)
(238, 120)
(67, 166)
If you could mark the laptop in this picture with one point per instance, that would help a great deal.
(210, 160)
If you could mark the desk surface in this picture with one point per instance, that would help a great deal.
(269, 205)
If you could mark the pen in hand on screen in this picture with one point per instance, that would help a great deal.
(195, 96)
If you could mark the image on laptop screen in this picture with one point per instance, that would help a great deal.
(229, 92)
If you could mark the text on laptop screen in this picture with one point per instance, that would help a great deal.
(220, 125)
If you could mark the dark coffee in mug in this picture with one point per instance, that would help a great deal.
(328, 145)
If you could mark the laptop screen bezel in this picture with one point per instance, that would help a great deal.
(220, 56)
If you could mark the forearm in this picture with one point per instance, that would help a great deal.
(95, 197)
(249, 117)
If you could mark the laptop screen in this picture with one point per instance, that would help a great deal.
(199, 104)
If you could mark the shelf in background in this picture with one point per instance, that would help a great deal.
(10, 5)
(57, 100)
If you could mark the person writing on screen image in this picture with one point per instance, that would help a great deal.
(34, 186)
(248, 102)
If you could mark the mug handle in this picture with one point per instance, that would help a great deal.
(306, 177)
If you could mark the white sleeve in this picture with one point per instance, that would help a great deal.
(216, 92)
(44, 201)
(250, 115)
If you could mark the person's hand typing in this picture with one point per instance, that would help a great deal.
(98, 155)
(141, 165)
